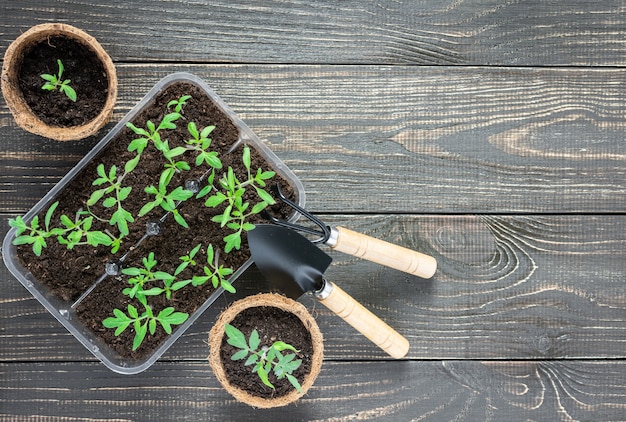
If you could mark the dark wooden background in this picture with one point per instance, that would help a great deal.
(489, 134)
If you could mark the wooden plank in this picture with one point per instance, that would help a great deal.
(397, 139)
(564, 33)
(508, 287)
(344, 391)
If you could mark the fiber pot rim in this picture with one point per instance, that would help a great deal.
(271, 300)
(22, 113)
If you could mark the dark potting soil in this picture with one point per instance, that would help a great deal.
(82, 68)
(272, 324)
(69, 273)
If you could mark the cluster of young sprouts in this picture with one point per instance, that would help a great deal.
(264, 359)
(223, 190)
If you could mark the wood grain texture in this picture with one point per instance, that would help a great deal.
(507, 287)
(384, 253)
(344, 391)
(397, 139)
(487, 133)
(493, 32)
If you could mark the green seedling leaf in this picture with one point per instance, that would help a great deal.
(294, 382)
(49, 215)
(265, 197)
(262, 372)
(235, 337)
(18, 224)
(254, 340)
(180, 284)
(281, 346)
(151, 127)
(252, 359)
(95, 197)
(266, 175)
(147, 208)
(168, 121)
(215, 200)
(233, 241)
(242, 354)
(176, 318)
(195, 250)
(38, 245)
(206, 132)
(246, 157)
(109, 202)
(68, 90)
(50, 78)
(132, 311)
(248, 226)
(132, 164)
(179, 219)
(259, 207)
(180, 194)
(123, 193)
(228, 287)
(175, 152)
(140, 333)
(193, 130)
(137, 131)
(98, 238)
(101, 171)
(112, 173)
(132, 271)
(23, 240)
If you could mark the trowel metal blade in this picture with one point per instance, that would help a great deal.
(287, 259)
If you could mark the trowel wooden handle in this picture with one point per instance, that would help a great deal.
(365, 322)
(382, 252)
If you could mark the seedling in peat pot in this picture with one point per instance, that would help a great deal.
(54, 82)
(265, 359)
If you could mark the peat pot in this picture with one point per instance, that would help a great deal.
(132, 243)
(275, 318)
(51, 113)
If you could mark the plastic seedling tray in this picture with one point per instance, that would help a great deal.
(65, 311)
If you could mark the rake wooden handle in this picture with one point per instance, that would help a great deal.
(382, 252)
(365, 322)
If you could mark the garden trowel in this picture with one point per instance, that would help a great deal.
(295, 266)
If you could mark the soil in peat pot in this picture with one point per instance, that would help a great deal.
(69, 273)
(82, 67)
(272, 324)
